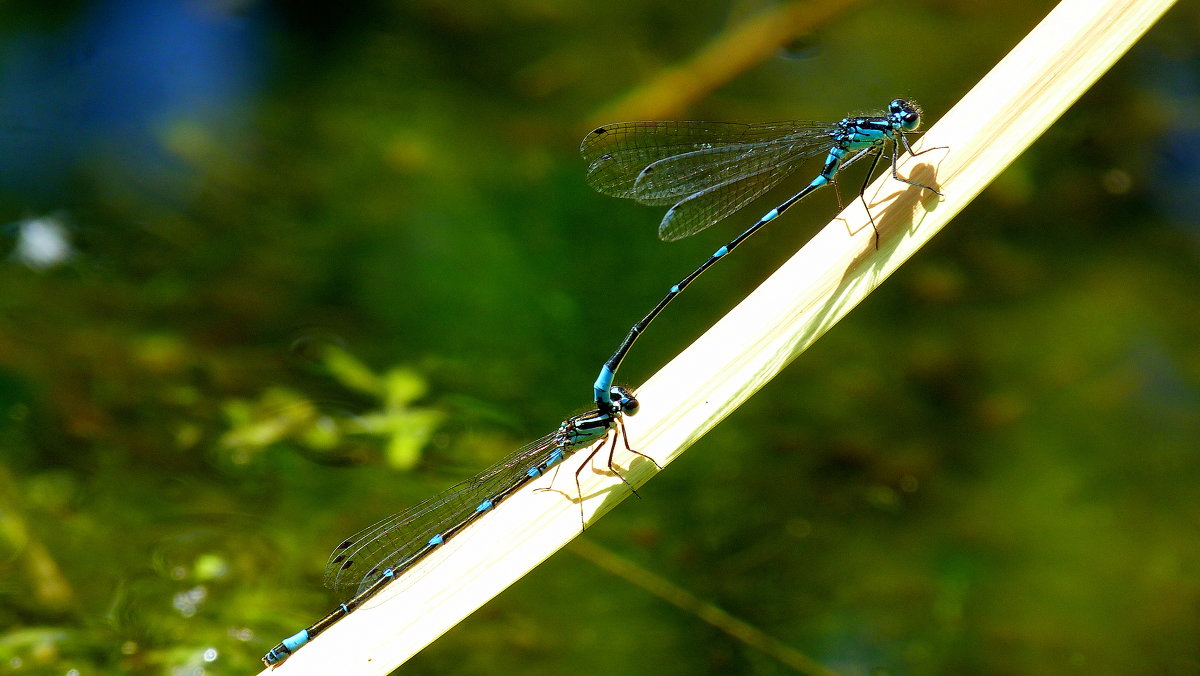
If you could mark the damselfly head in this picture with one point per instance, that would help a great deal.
(623, 400)
(906, 113)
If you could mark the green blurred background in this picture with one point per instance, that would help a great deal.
(275, 270)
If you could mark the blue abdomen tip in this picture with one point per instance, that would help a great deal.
(603, 382)
(436, 540)
(771, 215)
(721, 252)
(293, 642)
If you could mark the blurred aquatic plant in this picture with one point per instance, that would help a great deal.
(389, 420)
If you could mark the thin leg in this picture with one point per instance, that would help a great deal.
(625, 436)
(904, 140)
(873, 148)
(557, 466)
(612, 450)
(837, 193)
(862, 192)
(587, 463)
(579, 489)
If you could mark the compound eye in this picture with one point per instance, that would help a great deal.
(624, 399)
(910, 121)
(630, 406)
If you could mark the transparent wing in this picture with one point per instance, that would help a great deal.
(391, 543)
(714, 203)
(617, 153)
(673, 178)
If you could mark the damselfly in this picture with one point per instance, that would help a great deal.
(370, 559)
(709, 170)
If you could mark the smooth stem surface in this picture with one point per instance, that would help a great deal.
(996, 121)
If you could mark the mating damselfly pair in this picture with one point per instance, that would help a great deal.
(707, 171)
